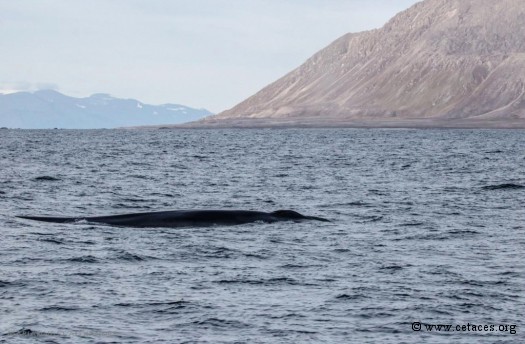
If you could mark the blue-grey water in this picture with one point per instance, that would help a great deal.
(428, 226)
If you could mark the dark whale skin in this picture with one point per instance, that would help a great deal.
(184, 218)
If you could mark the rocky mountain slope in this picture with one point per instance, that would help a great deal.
(51, 109)
(451, 63)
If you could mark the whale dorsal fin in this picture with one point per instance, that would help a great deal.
(288, 214)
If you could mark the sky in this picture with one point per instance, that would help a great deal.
(201, 53)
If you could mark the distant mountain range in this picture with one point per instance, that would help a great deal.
(51, 109)
(441, 63)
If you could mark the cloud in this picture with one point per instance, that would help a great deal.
(25, 86)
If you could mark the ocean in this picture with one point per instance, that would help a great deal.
(426, 242)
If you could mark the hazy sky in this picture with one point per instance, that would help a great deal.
(201, 53)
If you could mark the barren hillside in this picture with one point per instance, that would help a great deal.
(439, 63)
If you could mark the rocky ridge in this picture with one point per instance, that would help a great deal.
(443, 63)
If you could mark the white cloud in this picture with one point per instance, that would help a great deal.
(20, 86)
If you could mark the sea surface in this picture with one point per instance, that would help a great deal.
(428, 228)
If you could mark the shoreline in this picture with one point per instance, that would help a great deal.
(294, 124)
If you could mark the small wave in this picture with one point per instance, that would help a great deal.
(294, 266)
(473, 294)
(470, 305)
(460, 232)
(136, 200)
(240, 281)
(171, 309)
(281, 175)
(377, 192)
(350, 204)
(170, 304)
(256, 256)
(282, 280)
(31, 333)
(162, 194)
(43, 234)
(130, 257)
(358, 204)
(453, 189)
(509, 273)
(216, 322)
(46, 178)
(373, 313)
(125, 304)
(139, 176)
(506, 186)
(349, 297)
(412, 224)
(270, 281)
(218, 252)
(58, 309)
(371, 218)
(83, 259)
(83, 274)
(53, 241)
(287, 316)
(87, 242)
(5, 284)
(277, 332)
(130, 206)
(341, 250)
(471, 283)
(392, 267)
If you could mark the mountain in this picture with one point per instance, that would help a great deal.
(51, 109)
(441, 63)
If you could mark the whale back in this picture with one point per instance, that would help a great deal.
(293, 215)
(184, 218)
(288, 214)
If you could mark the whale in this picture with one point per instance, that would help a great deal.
(184, 218)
